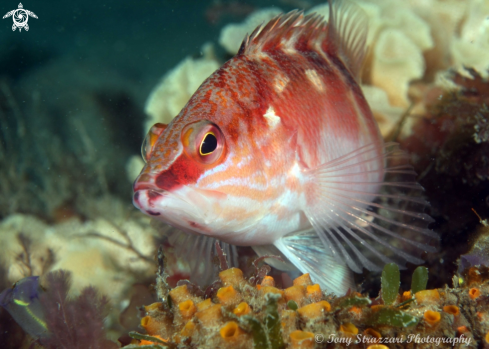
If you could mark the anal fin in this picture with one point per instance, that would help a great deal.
(306, 251)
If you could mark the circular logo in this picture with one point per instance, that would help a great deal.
(20, 17)
(319, 338)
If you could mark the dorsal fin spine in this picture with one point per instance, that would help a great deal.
(344, 35)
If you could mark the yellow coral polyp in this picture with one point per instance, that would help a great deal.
(314, 292)
(427, 296)
(302, 340)
(268, 281)
(231, 331)
(349, 329)
(242, 309)
(431, 317)
(451, 309)
(474, 293)
(303, 280)
(314, 310)
(377, 346)
(228, 295)
(231, 276)
(179, 294)
(487, 337)
(295, 293)
(187, 308)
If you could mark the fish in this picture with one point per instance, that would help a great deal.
(278, 150)
(22, 301)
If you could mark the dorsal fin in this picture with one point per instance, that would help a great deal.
(347, 34)
(344, 35)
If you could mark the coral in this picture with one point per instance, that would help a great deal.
(271, 322)
(175, 89)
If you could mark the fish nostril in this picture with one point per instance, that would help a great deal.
(152, 194)
(143, 186)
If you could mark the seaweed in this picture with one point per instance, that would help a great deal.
(393, 317)
(54, 167)
(267, 335)
(419, 280)
(73, 323)
(391, 279)
(449, 147)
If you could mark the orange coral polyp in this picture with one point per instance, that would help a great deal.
(303, 280)
(431, 317)
(242, 309)
(230, 331)
(451, 309)
(427, 296)
(145, 342)
(152, 307)
(204, 304)
(179, 294)
(231, 276)
(314, 292)
(406, 295)
(268, 281)
(150, 325)
(349, 329)
(474, 293)
(462, 329)
(487, 337)
(187, 308)
(370, 332)
(295, 293)
(228, 295)
(188, 329)
(270, 289)
(210, 316)
(314, 310)
(302, 339)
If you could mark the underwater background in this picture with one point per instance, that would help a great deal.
(80, 89)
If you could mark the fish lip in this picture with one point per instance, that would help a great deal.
(150, 190)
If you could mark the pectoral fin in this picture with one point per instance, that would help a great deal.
(367, 208)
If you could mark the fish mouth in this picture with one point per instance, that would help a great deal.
(183, 209)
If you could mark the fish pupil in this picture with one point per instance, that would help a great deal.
(209, 144)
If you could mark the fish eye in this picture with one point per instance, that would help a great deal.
(150, 140)
(209, 144)
(203, 141)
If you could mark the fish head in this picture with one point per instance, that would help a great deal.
(201, 168)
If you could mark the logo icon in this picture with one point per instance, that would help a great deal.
(20, 17)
